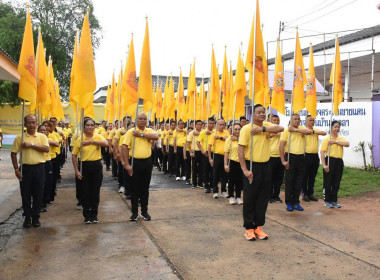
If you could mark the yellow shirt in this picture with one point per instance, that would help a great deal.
(90, 152)
(121, 141)
(193, 140)
(234, 149)
(59, 139)
(204, 139)
(118, 133)
(143, 145)
(105, 134)
(275, 146)
(53, 150)
(184, 143)
(171, 137)
(29, 155)
(101, 130)
(312, 143)
(336, 151)
(178, 135)
(111, 135)
(1, 138)
(47, 155)
(297, 141)
(261, 143)
(219, 146)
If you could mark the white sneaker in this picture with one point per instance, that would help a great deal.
(121, 190)
(239, 201)
(177, 178)
(232, 201)
(215, 195)
(224, 194)
(183, 178)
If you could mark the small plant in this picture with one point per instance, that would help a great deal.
(361, 148)
(371, 146)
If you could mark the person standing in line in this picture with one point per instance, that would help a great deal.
(179, 134)
(275, 162)
(158, 143)
(92, 172)
(165, 148)
(54, 156)
(311, 160)
(202, 143)
(186, 156)
(333, 170)
(105, 150)
(256, 183)
(170, 144)
(233, 169)
(137, 144)
(120, 174)
(295, 167)
(243, 121)
(34, 147)
(195, 155)
(216, 158)
(110, 140)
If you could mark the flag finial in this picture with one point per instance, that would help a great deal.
(88, 9)
(146, 17)
(39, 28)
(28, 5)
(132, 34)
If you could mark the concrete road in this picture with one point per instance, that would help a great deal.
(193, 236)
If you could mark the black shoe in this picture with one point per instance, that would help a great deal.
(44, 209)
(134, 217)
(272, 200)
(277, 199)
(128, 196)
(27, 223)
(36, 222)
(305, 198)
(88, 221)
(207, 190)
(313, 198)
(146, 216)
(188, 182)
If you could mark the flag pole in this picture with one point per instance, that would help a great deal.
(22, 134)
(36, 72)
(253, 83)
(291, 102)
(194, 111)
(332, 101)
(134, 137)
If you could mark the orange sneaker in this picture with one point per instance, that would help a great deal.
(260, 233)
(250, 235)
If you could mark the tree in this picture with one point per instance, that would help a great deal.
(59, 20)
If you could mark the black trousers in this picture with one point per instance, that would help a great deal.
(311, 170)
(179, 163)
(256, 195)
(120, 174)
(153, 156)
(235, 179)
(171, 159)
(106, 157)
(165, 160)
(159, 156)
(277, 176)
(78, 187)
(32, 189)
(219, 174)
(294, 178)
(331, 180)
(142, 173)
(56, 169)
(206, 172)
(196, 163)
(48, 182)
(91, 183)
(114, 166)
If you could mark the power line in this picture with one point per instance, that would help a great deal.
(313, 12)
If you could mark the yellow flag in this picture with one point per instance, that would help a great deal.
(278, 95)
(129, 81)
(26, 67)
(259, 56)
(180, 98)
(112, 115)
(191, 92)
(154, 109)
(172, 101)
(159, 102)
(117, 98)
(165, 105)
(215, 87)
(59, 108)
(226, 102)
(311, 92)
(51, 85)
(72, 99)
(336, 79)
(239, 89)
(106, 111)
(201, 104)
(145, 79)
(299, 80)
(43, 96)
(85, 79)
(225, 78)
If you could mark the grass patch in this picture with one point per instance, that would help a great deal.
(6, 147)
(354, 182)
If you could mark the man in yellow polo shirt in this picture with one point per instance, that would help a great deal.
(216, 158)
(172, 152)
(295, 166)
(202, 143)
(256, 181)
(110, 140)
(32, 159)
(137, 152)
(179, 134)
(311, 160)
(195, 155)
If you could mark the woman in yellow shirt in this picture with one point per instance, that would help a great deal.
(233, 170)
(92, 173)
(333, 167)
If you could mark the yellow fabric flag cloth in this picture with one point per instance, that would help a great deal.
(225, 79)
(299, 79)
(73, 101)
(278, 95)
(215, 88)
(26, 67)
(43, 97)
(130, 84)
(112, 115)
(259, 56)
(336, 79)
(311, 92)
(106, 111)
(85, 78)
(165, 101)
(145, 79)
(263, 96)
(154, 109)
(240, 89)
(180, 98)
(172, 101)
(159, 102)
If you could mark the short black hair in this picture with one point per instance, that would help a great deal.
(257, 106)
(172, 122)
(211, 119)
(198, 121)
(275, 116)
(243, 118)
(87, 120)
(334, 122)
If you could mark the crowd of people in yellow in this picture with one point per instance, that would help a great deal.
(253, 159)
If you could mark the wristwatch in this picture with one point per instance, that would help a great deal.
(142, 135)
(32, 144)
(264, 128)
